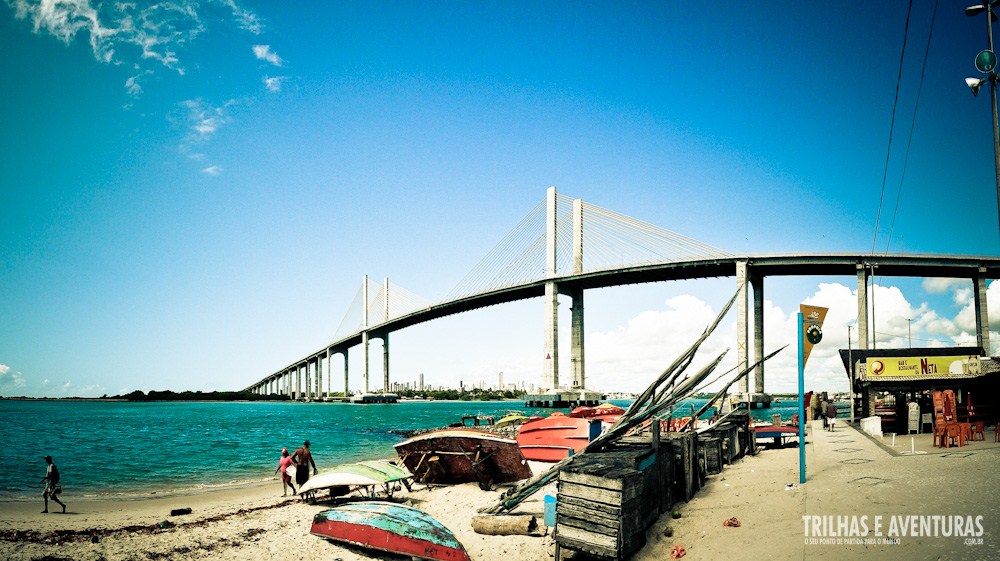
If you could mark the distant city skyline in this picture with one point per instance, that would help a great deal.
(193, 191)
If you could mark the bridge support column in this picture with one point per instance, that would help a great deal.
(576, 356)
(979, 285)
(309, 379)
(576, 344)
(347, 391)
(742, 334)
(862, 306)
(757, 282)
(364, 352)
(385, 362)
(318, 391)
(550, 372)
(364, 332)
(329, 373)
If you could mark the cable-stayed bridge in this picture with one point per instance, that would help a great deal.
(566, 246)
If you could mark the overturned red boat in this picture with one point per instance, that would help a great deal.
(557, 436)
(389, 527)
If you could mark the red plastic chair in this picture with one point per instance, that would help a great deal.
(954, 432)
(979, 429)
(939, 432)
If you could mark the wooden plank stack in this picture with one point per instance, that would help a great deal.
(602, 501)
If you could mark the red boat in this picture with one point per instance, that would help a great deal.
(462, 455)
(606, 412)
(778, 432)
(551, 439)
(389, 527)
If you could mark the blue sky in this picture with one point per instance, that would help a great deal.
(193, 191)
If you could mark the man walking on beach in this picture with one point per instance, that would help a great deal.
(52, 487)
(302, 458)
(831, 415)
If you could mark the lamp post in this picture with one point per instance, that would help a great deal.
(850, 363)
(909, 335)
(986, 63)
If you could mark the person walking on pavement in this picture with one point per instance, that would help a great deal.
(831, 415)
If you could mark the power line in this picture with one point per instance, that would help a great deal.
(913, 121)
(892, 124)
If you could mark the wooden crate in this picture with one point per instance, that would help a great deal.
(656, 463)
(711, 447)
(599, 508)
(684, 449)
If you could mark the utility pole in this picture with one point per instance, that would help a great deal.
(986, 62)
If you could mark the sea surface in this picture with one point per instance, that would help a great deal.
(110, 449)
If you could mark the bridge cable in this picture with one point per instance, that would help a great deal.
(892, 124)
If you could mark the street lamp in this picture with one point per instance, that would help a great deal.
(909, 335)
(986, 62)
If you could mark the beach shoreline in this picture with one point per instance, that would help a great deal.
(849, 474)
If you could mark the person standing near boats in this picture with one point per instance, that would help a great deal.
(52, 487)
(286, 480)
(302, 458)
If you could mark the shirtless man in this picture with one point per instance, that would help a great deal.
(302, 458)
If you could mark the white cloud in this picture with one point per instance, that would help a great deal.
(629, 356)
(212, 170)
(116, 30)
(273, 83)
(942, 285)
(10, 380)
(248, 20)
(203, 121)
(264, 52)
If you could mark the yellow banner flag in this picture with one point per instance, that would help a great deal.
(812, 328)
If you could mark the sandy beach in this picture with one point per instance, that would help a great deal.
(848, 474)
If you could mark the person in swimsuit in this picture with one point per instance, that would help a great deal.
(286, 480)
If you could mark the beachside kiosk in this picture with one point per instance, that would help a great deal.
(895, 387)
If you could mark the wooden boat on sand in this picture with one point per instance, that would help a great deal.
(367, 476)
(512, 419)
(555, 437)
(389, 527)
(602, 410)
(462, 455)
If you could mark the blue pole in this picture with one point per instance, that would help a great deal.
(802, 409)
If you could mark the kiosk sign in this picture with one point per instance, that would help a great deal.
(922, 367)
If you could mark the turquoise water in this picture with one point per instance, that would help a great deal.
(125, 450)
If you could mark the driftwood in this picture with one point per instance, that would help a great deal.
(491, 525)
